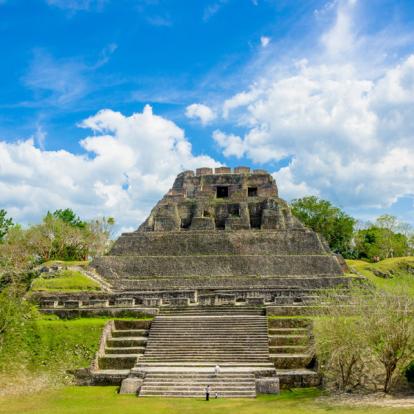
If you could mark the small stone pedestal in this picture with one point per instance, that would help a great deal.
(130, 385)
(268, 385)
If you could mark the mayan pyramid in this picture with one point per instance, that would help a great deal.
(221, 237)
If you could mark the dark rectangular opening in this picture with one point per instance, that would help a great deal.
(185, 223)
(234, 210)
(252, 192)
(222, 192)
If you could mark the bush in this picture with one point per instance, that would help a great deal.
(366, 341)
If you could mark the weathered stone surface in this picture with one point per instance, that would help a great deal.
(267, 385)
(130, 385)
(214, 238)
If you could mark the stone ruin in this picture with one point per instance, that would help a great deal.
(217, 255)
(220, 237)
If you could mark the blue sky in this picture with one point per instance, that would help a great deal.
(104, 101)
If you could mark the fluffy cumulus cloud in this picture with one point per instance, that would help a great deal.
(346, 132)
(201, 112)
(128, 163)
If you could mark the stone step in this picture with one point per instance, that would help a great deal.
(119, 361)
(126, 342)
(206, 319)
(210, 364)
(288, 349)
(288, 331)
(193, 383)
(209, 351)
(192, 394)
(198, 383)
(289, 323)
(195, 312)
(298, 378)
(175, 381)
(194, 388)
(291, 360)
(203, 327)
(288, 340)
(205, 357)
(196, 374)
(109, 376)
(213, 338)
(123, 324)
(129, 332)
(206, 350)
(125, 350)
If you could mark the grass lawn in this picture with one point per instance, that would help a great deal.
(105, 400)
(51, 346)
(81, 263)
(65, 281)
(398, 269)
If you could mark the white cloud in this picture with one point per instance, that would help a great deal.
(204, 113)
(232, 145)
(239, 100)
(340, 38)
(128, 164)
(264, 41)
(348, 130)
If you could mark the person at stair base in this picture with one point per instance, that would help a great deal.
(207, 392)
(217, 370)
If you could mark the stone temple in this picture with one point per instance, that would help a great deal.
(218, 255)
(220, 237)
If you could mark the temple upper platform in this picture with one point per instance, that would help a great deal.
(223, 199)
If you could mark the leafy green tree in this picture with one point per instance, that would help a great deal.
(384, 239)
(331, 222)
(68, 216)
(5, 224)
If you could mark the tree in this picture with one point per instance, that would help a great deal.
(339, 345)
(17, 258)
(100, 235)
(331, 222)
(389, 327)
(68, 216)
(365, 339)
(5, 224)
(386, 238)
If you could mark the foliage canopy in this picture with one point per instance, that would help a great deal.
(331, 222)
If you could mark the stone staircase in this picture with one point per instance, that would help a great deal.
(182, 352)
(290, 348)
(122, 344)
(193, 384)
(211, 310)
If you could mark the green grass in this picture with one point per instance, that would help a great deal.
(81, 263)
(65, 281)
(51, 345)
(105, 400)
(398, 269)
